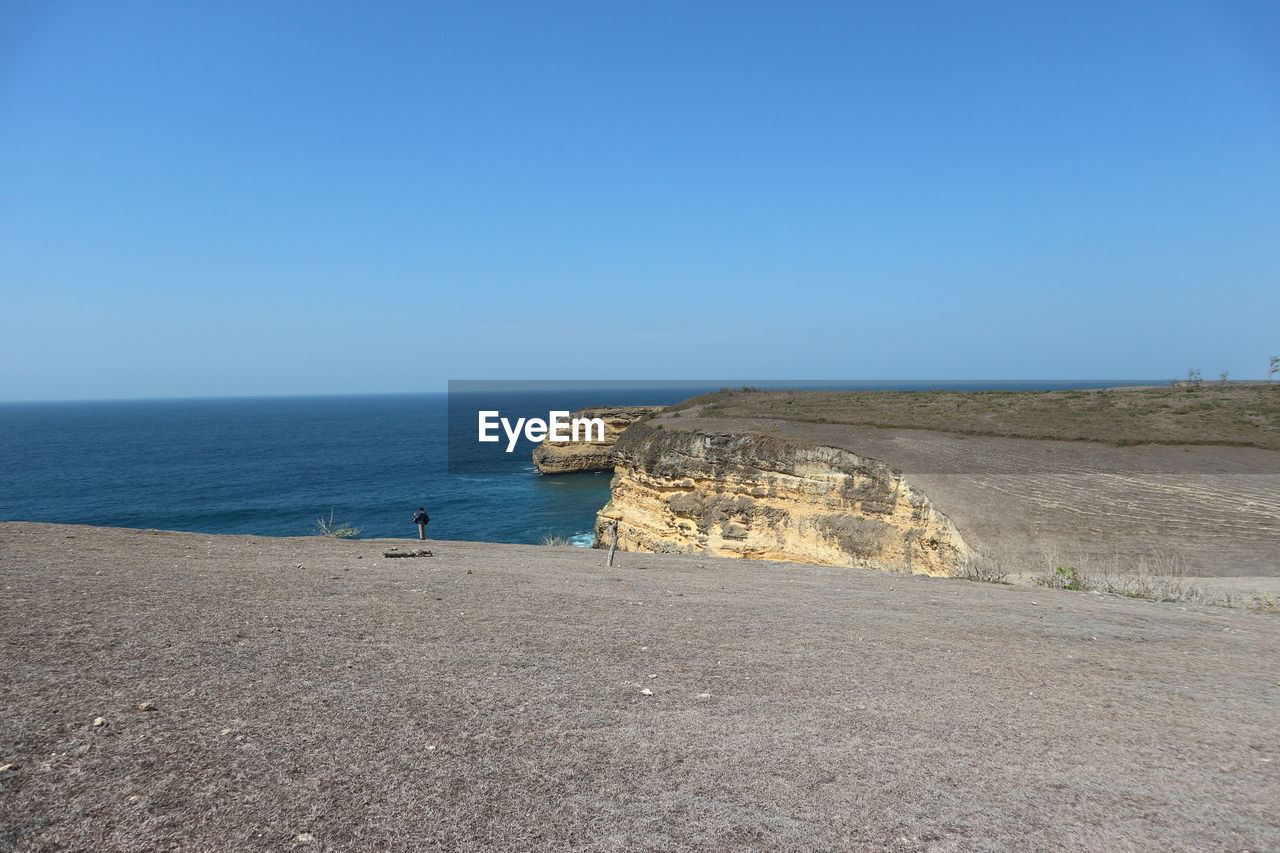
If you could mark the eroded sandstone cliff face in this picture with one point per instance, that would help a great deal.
(767, 497)
(571, 457)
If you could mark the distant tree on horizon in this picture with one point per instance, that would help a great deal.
(1275, 367)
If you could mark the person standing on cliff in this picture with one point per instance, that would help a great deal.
(422, 520)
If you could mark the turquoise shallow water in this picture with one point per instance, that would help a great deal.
(271, 466)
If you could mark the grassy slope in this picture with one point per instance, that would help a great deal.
(1241, 415)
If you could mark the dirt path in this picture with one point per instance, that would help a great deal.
(310, 694)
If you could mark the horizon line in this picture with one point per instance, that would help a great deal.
(591, 385)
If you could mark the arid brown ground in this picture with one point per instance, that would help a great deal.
(311, 694)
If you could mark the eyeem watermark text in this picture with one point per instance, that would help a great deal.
(537, 430)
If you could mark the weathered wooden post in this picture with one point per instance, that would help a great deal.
(613, 539)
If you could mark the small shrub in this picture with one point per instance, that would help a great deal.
(1268, 602)
(335, 530)
(551, 539)
(1064, 577)
(984, 569)
(1069, 577)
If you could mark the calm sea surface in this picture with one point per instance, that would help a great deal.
(271, 466)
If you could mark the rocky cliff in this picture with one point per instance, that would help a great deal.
(763, 496)
(574, 456)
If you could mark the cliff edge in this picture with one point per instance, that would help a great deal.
(574, 456)
(749, 494)
(1109, 481)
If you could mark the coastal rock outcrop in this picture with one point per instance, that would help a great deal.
(750, 494)
(571, 457)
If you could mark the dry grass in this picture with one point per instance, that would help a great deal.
(489, 698)
(1246, 414)
(1154, 577)
(1159, 580)
(1159, 577)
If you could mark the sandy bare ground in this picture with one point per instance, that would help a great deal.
(309, 694)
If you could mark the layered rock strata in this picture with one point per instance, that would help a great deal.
(760, 496)
(574, 456)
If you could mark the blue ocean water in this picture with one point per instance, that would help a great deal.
(271, 466)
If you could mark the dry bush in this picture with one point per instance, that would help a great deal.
(980, 567)
(551, 539)
(1268, 602)
(1158, 577)
(335, 529)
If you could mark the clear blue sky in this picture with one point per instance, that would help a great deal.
(271, 198)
